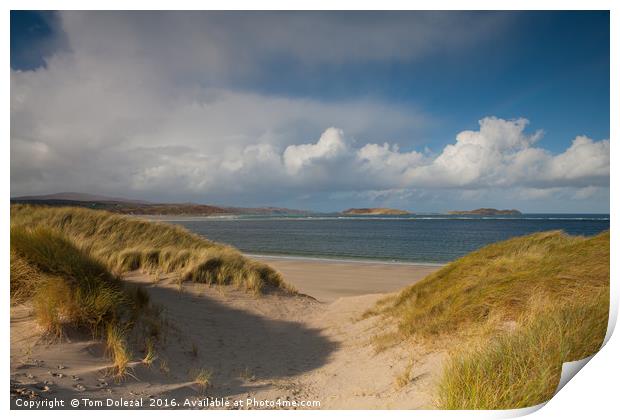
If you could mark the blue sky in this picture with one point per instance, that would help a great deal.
(251, 90)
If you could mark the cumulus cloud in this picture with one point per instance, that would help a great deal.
(330, 147)
(498, 155)
(585, 161)
(502, 154)
(130, 109)
(380, 159)
(478, 157)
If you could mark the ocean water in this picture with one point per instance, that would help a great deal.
(419, 238)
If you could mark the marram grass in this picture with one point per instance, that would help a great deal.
(63, 262)
(514, 311)
(68, 289)
(523, 368)
(124, 243)
(66, 285)
(500, 281)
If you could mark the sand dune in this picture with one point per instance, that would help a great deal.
(267, 348)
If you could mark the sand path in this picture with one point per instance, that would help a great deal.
(268, 348)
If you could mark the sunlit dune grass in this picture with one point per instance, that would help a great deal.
(69, 289)
(66, 263)
(522, 306)
(124, 243)
(66, 285)
(522, 368)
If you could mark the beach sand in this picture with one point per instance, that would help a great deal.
(328, 280)
(273, 347)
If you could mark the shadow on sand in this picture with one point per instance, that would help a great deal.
(244, 351)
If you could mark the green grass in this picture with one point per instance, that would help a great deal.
(512, 312)
(123, 243)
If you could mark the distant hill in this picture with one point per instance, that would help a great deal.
(486, 212)
(373, 211)
(127, 206)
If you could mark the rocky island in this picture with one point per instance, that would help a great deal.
(374, 212)
(486, 212)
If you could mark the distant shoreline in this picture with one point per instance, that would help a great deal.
(337, 260)
(335, 216)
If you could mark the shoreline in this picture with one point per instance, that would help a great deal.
(340, 260)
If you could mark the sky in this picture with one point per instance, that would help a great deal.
(424, 111)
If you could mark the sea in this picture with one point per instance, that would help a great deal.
(423, 239)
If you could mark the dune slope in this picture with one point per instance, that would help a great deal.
(524, 306)
(123, 243)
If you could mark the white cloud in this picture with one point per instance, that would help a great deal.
(330, 147)
(131, 109)
(501, 154)
(378, 159)
(478, 158)
(584, 160)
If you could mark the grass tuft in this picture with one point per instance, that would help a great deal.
(404, 378)
(203, 379)
(117, 349)
(150, 355)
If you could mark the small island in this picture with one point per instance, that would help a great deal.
(374, 212)
(486, 212)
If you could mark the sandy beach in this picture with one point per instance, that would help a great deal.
(327, 280)
(275, 347)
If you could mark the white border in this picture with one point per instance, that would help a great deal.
(592, 393)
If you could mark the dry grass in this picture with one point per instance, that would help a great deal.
(522, 368)
(150, 355)
(68, 287)
(523, 306)
(124, 243)
(247, 374)
(404, 378)
(163, 367)
(499, 281)
(202, 378)
(24, 278)
(117, 349)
